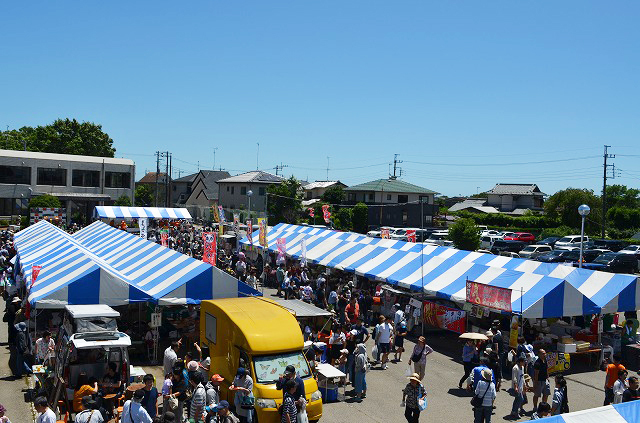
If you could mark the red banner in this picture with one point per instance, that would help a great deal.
(250, 232)
(164, 237)
(35, 271)
(384, 233)
(326, 213)
(209, 248)
(489, 296)
(312, 213)
(411, 235)
(444, 317)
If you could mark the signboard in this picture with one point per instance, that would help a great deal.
(326, 213)
(262, 226)
(236, 223)
(303, 251)
(51, 214)
(209, 251)
(143, 224)
(489, 296)
(250, 232)
(558, 362)
(311, 212)
(156, 320)
(411, 235)
(220, 214)
(384, 233)
(444, 317)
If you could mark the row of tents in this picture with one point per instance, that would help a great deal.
(539, 290)
(104, 265)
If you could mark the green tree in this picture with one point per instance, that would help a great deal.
(123, 201)
(285, 201)
(64, 136)
(621, 196)
(45, 200)
(464, 235)
(360, 218)
(342, 219)
(562, 207)
(334, 195)
(144, 196)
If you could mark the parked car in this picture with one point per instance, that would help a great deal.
(505, 234)
(373, 234)
(501, 245)
(569, 241)
(438, 238)
(510, 254)
(521, 236)
(590, 255)
(632, 249)
(614, 245)
(614, 262)
(487, 241)
(533, 251)
(559, 256)
(490, 232)
(551, 240)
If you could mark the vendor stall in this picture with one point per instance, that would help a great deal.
(329, 382)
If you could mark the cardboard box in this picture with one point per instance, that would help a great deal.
(567, 348)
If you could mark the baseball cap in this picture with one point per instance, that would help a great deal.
(139, 394)
(220, 406)
(289, 370)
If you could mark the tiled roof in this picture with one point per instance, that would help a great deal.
(390, 185)
(322, 184)
(211, 178)
(515, 189)
(256, 176)
(150, 178)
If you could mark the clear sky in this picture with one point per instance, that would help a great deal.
(468, 93)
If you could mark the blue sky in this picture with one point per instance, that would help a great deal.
(468, 93)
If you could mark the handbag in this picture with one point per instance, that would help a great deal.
(416, 357)
(172, 403)
(247, 402)
(476, 401)
(422, 401)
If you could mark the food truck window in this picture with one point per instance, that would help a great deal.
(211, 328)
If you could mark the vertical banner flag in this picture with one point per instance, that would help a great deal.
(35, 271)
(311, 212)
(221, 229)
(164, 238)
(143, 223)
(326, 213)
(210, 248)
(220, 214)
(262, 226)
(411, 235)
(384, 233)
(250, 232)
(214, 213)
(236, 223)
(303, 251)
(282, 248)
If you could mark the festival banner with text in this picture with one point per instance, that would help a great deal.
(444, 317)
(411, 235)
(250, 232)
(282, 248)
(164, 238)
(489, 296)
(209, 248)
(326, 213)
(262, 226)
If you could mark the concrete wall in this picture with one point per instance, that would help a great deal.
(231, 197)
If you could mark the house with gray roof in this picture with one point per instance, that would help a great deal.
(234, 190)
(203, 189)
(515, 198)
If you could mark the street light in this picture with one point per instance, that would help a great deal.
(249, 194)
(583, 210)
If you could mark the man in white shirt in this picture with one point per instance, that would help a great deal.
(133, 410)
(399, 316)
(517, 379)
(46, 414)
(383, 337)
(170, 357)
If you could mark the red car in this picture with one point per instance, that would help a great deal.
(522, 236)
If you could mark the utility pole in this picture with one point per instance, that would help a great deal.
(327, 168)
(166, 179)
(280, 168)
(157, 174)
(604, 188)
(395, 166)
(214, 157)
(258, 157)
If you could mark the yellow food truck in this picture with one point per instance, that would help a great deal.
(263, 336)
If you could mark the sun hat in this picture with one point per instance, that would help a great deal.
(192, 366)
(487, 373)
(2, 409)
(344, 351)
(422, 339)
(488, 333)
(415, 377)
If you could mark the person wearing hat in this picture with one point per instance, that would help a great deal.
(517, 381)
(486, 390)
(419, 356)
(90, 414)
(360, 370)
(213, 389)
(3, 418)
(411, 394)
(224, 414)
(133, 411)
(243, 386)
(23, 347)
(290, 374)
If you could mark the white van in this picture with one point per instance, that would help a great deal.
(569, 242)
(486, 242)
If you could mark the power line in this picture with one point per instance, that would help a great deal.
(503, 163)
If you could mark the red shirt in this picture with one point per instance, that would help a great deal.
(352, 311)
(612, 372)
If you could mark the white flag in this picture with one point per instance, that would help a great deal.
(303, 251)
(143, 223)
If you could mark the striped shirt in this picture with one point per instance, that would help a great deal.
(198, 401)
(289, 408)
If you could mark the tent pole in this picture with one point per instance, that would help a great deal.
(521, 311)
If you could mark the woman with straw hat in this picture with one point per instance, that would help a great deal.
(486, 391)
(411, 394)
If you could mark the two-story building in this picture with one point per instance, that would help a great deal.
(509, 198)
(393, 202)
(80, 182)
(234, 190)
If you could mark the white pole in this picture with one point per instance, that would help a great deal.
(581, 241)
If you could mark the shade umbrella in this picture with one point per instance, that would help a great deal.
(474, 335)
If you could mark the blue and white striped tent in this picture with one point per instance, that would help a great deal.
(168, 276)
(69, 274)
(115, 212)
(402, 263)
(626, 412)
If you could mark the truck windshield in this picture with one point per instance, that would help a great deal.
(270, 367)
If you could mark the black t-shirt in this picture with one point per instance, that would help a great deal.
(181, 387)
(541, 367)
(497, 343)
(630, 395)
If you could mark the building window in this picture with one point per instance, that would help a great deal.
(227, 188)
(371, 196)
(15, 175)
(405, 216)
(403, 198)
(117, 179)
(262, 191)
(232, 189)
(308, 195)
(388, 197)
(352, 196)
(85, 178)
(52, 176)
(243, 190)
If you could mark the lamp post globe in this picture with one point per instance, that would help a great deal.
(249, 194)
(584, 210)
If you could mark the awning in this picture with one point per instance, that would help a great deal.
(114, 212)
(626, 412)
(302, 309)
(444, 268)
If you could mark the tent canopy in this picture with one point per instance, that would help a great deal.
(442, 271)
(115, 212)
(104, 265)
(626, 412)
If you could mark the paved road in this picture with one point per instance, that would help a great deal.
(11, 390)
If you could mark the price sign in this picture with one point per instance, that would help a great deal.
(156, 320)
